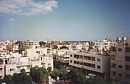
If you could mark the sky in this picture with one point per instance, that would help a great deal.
(73, 20)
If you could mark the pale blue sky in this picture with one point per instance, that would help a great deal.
(64, 19)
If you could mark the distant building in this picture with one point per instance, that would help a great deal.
(103, 45)
(28, 43)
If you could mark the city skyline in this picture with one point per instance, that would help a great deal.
(64, 20)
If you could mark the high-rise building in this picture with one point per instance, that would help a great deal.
(120, 61)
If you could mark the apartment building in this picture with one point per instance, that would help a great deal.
(90, 62)
(35, 51)
(76, 46)
(46, 61)
(103, 45)
(120, 61)
(14, 62)
(28, 43)
(62, 55)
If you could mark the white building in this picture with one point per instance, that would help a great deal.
(77, 46)
(63, 55)
(91, 62)
(35, 51)
(14, 62)
(103, 45)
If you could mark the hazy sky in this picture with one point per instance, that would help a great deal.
(64, 19)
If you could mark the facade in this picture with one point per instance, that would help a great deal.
(35, 51)
(28, 43)
(46, 61)
(120, 61)
(90, 62)
(63, 55)
(13, 63)
(76, 46)
(103, 45)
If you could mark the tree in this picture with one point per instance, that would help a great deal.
(76, 76)
(57, 64)
(63, 74)
(38, 74)
(22, 48)
(55, 73)
(49, 69)
(96, 80)
(63, 47)
(42, 43)
(21, 78)
(7, 79)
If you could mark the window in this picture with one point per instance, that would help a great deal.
(70, 61)
(93, 58)
(113, 57)
(89, 65)
(98, 59)
(113, 73)
(119, 74)
(119, 49)
(81, 63)
(11, 69)
(38, 52)
(127, 67)
(113, 65)
(76, 56)
(70, 55)
(49, 64)
(81, 57)
(128, 76)
(98, 67)
(119, 66)
(127, 49)
(127, 58)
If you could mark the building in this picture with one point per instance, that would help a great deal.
(103, 45)
(14, 62)
(28, 43)
(90, 62)
(35, 51)
(120, 61)
(62, 55)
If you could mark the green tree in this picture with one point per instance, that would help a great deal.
(21, 78)
(38, 74)
(96, 80)
(63, 47)
(49, 69)
(42, 43)
(7, 79)
(22, 48)
(76, 76)
(63, 74)
(55, 73)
